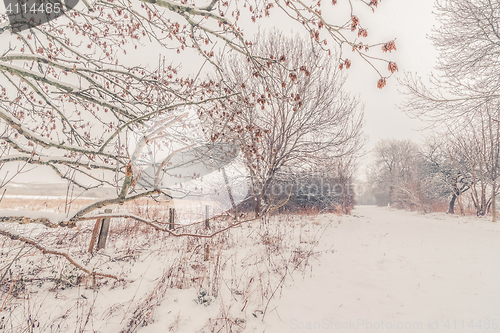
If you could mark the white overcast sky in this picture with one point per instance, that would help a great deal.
(408, 21)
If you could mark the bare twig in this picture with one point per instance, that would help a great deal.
(54, 252)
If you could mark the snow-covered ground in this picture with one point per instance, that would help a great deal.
(399, 271)
(379, 270)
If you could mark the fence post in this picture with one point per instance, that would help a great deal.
(207, 226)
(207, 251)
(207, 223)
(171, 219)
(230, 193)
(103, 235)
(95, 233)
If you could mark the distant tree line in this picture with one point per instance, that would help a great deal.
(457, 169)
(459, 164)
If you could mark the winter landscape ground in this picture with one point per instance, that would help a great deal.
(254, 163)
(378, 270)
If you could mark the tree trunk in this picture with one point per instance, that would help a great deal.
(257, 205)
(451, 208)
(459, 199)
(493, 203)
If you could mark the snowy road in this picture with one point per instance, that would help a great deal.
(398, 271)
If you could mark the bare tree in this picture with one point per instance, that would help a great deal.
(296, 115)
(476, 137)
(448, 163)
(468, 42)
(398, 175)
(70, 99)
(465, 94)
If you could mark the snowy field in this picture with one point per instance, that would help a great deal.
(379, 270)
(399, 271)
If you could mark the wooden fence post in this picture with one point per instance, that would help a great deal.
(230, 193)
(103, 235)
(95, 233)
(171, 219)
(207, 223)
(207, 226)
(207, 251)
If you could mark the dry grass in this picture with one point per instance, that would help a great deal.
(240, 283)
(468, 208)
(439, 207)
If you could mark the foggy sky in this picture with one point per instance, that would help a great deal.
(408, 21)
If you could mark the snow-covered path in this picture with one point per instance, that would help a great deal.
(397, 271)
